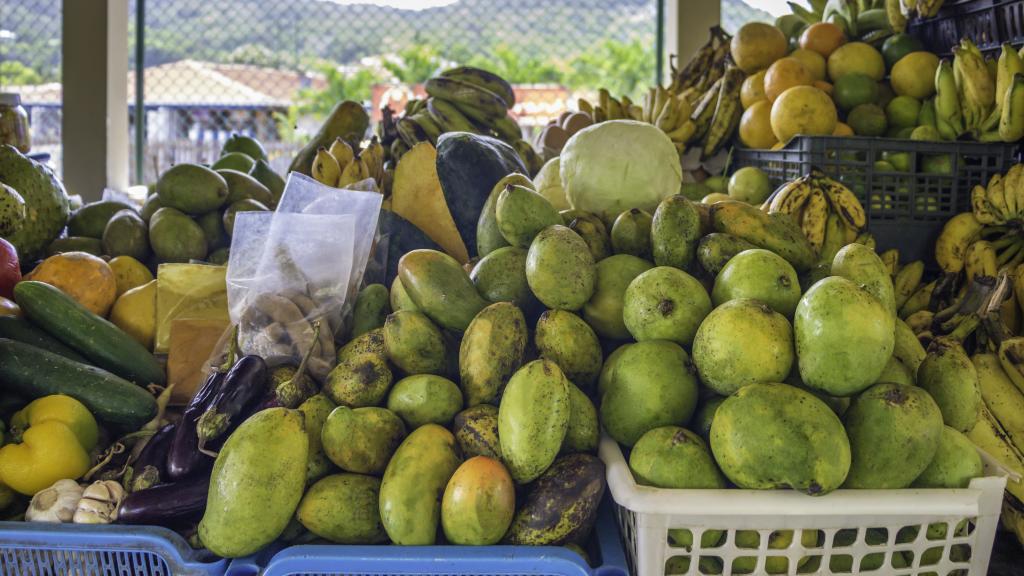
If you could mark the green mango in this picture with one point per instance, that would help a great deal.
(362, 440)
(565, 339)
(441, 288)
(652, 385)
(560, 270)
(896, 373)
(342, 508)
(91, 220)
(371, 342)
(584, 432)
(315, 410)
(398, 297)
(192, 188)
(242, 186)
(952, 380)
(371, 309)
(561, 506)
(126, 234)
(476, 431)
(174, 237)
(665, 303)
(522, 213)
(675, 231)
(717, 248)
(414, 483)
(742, 342)
(631, 234)
(604, 310)
(762, 275)
(273, 181)
(533, 418)
(844, 337)
(212, 224)
(594, 233)
(247, 145)
(706, 415)
(92, 246)
(488, 234)
(150, 206)
(237, 161)
(359, 380)
(501, 277)
(424, 399)
(219, 257)
(256, 484)
(894, 433)
(245, 205)
(491, 351)
(414, 344)
(862, 266)
(768, 436)
(478, 503)
(955, 464)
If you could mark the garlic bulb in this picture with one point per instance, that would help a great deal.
(55, 504)
(99, 503)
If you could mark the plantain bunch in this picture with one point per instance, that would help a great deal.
(827, 212)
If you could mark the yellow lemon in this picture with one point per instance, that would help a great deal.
(129, 273)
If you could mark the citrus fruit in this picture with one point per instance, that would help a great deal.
(749, 184)
(926, 134)
(842, 129)
(914, 75)
(885, 94)
(752, 89)
(756, 45)
(937, 164)
(756, 126)
(803, 110)
(902, 111)
(900, 160)
(856, 57)
(814, 62)
(823, 86)
(783, 74)
(897, 46)
(867, 120)
(852, 90)
(129, 273)
(823, 38)
(884, 166)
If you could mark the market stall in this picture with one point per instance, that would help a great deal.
(766, 319)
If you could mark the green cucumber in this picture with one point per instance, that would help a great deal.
(23, 331)
(33, 372)
(101, 342)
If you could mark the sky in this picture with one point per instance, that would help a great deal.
(773, 7)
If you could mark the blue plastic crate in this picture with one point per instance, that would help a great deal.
(335, 560)
(37, 549)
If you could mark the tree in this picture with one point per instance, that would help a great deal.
(622, 68)
(516, 68)
(341, 85)
(414, 64)
(14, 73)
(256, 55)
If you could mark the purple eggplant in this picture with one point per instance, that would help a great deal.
(151, 466)
(243, 387)
(184, 457)
(166, 504)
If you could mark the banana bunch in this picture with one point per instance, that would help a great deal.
(341, 166)
(716, 113)
(706, 67)
(827, 211)
(867, 20)
(924, 8)
(608, 108)
(1002, 201)
(670, 113)
(972, 84)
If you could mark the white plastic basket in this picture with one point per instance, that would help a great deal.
(898, 521)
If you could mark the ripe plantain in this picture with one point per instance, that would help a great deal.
(814, 219)
(957, 235)
(728, 111)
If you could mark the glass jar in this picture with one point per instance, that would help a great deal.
(14, 122)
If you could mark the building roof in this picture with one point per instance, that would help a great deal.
(191, 83)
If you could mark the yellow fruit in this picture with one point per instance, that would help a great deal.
(823, 86)
(778, 146)
(784, 74)
(842, 130)
(129, 273)
(756, 126)
(914, 75)
(715, 197)
(84, 277)
(756, 45)
(803, 110)
(857, 57)
(135, 313)
(814, 62)
(823, 38)
(752, 89)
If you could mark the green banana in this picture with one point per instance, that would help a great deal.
(466, 95)
(727, 112)
(428, 124)
(484, 79)
(507, 128)
(704, 111)
(448, 116)
(411, 132)
(948, 114)
(1011, 120)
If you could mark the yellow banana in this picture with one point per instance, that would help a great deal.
(342, 152)
(473, 99)
(683, 107)
(867, 239)
(1009, 64)
(1011, 119)
(948, 113)
(982, 208)
(989, 435)
(666, 120)
(891, 259)
(957, 234)
(918, 301)
(844, 202)
(704, 111)
(1013, 189)
(814, 218)
(325, 168)
(1011, 357)
(684, 132)
(835, 238)
(1002, 398)
(615, 109)
(484, 79)
(584, 106)
(996, 197)
(354, 172)
(897, 20)
(373, 155)
(791, 197)
(907, 348)
(727, 112)
(920, 321)
(906, 281)
(980, 260)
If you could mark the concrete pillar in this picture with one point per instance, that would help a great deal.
(94, 124)
(686, 27)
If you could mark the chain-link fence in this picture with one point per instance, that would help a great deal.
(736, 13)
(30, 60)
(274, 68)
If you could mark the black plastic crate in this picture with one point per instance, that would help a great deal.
(905, 210)
(987, 23)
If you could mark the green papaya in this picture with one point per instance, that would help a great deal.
(174, 237)
(533, 418)
(568, 341)
(414, 483)
(192, 188)
(631, 234)
(150, 206)
(256, 484)
(247, 145)
(414, 344)
(675, 231)
(243, 205)
(478, 503)
(273, 181)
(501, 277)
(584, 432)
(440, 287)
(75, 244)
(665, 303)
(398, 298)
(355, 520)
(561, 506)
(862, 266)
(237, 161)
(476, 431)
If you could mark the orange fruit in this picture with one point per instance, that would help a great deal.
(752, 89)
(823, 86)
(822, 37)
(814, 62)
(857, 57)
(783, 74)
(756, 45)
(756, 126)
(842, 130)
(803, 110)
